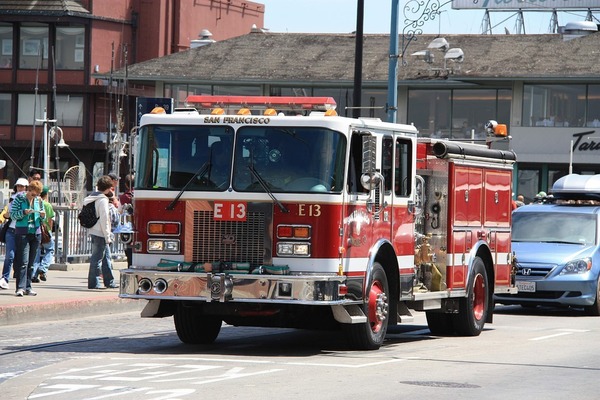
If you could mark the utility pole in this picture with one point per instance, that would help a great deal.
(358, 57)
(392, 101)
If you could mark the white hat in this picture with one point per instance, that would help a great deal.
(22, 182)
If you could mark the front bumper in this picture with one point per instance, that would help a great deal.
(225, 287)
(555, 292)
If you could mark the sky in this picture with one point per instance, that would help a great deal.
(339, 16)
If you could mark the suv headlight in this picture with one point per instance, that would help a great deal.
(577, 267)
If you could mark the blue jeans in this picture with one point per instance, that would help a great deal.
(26, 248)
(98, 265)
(9, 247)
(42, 262)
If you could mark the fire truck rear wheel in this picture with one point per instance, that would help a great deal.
(370, 335)
(439, 323)
(474, 308)
(195, 328)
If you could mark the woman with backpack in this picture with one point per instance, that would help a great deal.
(100, 232)
(9, 241)
(28, 212)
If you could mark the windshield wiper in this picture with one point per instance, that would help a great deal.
(264, 185)
(198, 175)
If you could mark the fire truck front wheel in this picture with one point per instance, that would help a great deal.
(474, 308)
(195, 328)
(370, 335)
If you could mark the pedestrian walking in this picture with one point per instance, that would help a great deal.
(28, 212)
(9, 242)
(45, 253)
(35, 175)
(101, 235)
(126, 200)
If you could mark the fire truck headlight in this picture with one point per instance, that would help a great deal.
(302, 249)
(285, 249)
(577, 267)
(161, 245)
(293, 249)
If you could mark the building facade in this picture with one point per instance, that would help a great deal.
(51, 50)
(544, 87)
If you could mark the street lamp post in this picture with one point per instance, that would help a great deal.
(45, 141)
(416, 13)
(54, 132)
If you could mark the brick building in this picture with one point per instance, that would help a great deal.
(49, 50)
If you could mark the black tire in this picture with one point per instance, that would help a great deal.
(594, 309)
(370, 335)
(474, 309)
(439, 323)
(195, 328)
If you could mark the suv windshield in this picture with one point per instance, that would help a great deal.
(554, 227)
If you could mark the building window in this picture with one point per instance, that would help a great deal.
(70, 47)
(6, 46)
(528, 183)
(30, 108)
(34, 46)
(180, 92)
(430, 112)
(554, 105)
(69, 110)
(5, 109)
(593, 106)
(471, 109)
(237, 90)
(458, 113)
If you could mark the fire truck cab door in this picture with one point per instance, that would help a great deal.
(392, 220)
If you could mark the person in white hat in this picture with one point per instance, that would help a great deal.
(20, 186)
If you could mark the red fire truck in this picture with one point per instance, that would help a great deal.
(307, 219)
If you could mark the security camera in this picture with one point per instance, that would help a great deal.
(455, 55)
(424, 55)
(440, 44)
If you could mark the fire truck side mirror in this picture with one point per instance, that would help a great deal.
(371, 181)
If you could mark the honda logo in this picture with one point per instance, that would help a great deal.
(525, 271)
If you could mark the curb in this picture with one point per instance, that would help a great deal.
(67, 309)
(83, 266)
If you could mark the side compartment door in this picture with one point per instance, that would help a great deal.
(497, 216)
(466, 219)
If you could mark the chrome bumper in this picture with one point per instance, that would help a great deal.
(224, 287)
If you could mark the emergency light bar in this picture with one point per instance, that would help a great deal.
(262, 102)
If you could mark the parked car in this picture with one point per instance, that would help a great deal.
(557, 247)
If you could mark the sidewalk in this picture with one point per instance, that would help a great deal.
(64, 296)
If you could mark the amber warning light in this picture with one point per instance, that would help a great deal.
(493, 128)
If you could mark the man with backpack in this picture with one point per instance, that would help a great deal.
(100, 234)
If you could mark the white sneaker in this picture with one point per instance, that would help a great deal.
(20, 293)
(3, 283)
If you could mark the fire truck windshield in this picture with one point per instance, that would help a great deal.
(287, 159)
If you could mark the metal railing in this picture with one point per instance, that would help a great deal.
(72, 242)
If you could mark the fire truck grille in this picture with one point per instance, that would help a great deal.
(229, 241)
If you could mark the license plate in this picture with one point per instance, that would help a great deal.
(524, 286)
